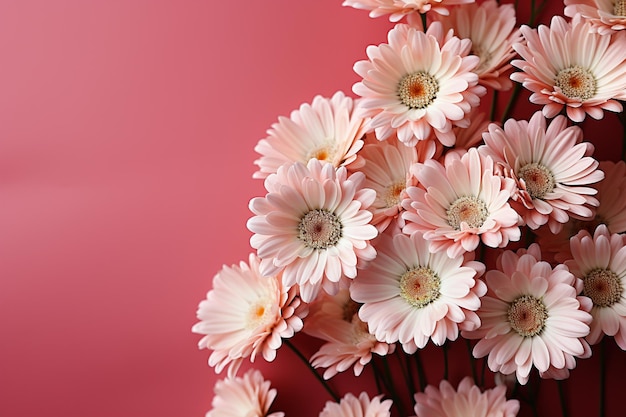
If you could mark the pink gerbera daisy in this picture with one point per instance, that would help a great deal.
(600, 261)
(327, 129)
(552, 167)
(610, 212)
(248, 396)
(467, 400)
(397, 9)
(411, 295)
(247, 314)
(492, 30)
(531, 317)
(459, 204)
(567, 65)
(349, 343)
(418, 83)
(387, 170)
(606, 16)
(313, 225)
(351, 406)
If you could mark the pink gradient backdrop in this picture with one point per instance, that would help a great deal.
(127, 130)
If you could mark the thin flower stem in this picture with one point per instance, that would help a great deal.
(423, 16)
(602, 382)
(406, 371)
(472, 360)
(562, 398)
(394, 392)
(494, 102)
(317, 375)
(420, 371)
(516, 90)
(444, 349)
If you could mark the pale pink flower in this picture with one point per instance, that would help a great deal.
(531, 317)
(611, 212)
(606, 16)
(313, 224)
(327, 129)
(247, 314)
(351, 406)
(600, 261)
(349, 343)
(387, 170)
(397, 9)
(410, 295)
(249, 396)
(418, 83)
(551, 165)
(492, 30)
(568, 66)
(459, 204)
(467, 400)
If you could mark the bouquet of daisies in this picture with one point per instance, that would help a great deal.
(418, 212)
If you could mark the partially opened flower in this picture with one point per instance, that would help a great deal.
(313, 225)
(351, 406)
(418, 83)
(247, 314)
(551, 165)
(492, 30)
(467, 400)
(397, 9)
(610, 212)
(460, 204)
(606, 16)
(600, 261)
(411, 296)
(249, 396)
(348, 342)
(531, 318)
(568, 66)
(327, 129)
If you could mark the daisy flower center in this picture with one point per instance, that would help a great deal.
(527, 315)
(350, 308)
(324, 153)
(259, 314)
(418, 90)
(467, 209)
(576, 82)
(603, 286)
(484, 57)
(538, 179)
(392, 194)
(319, 229)
(619, 8)
(420, 286)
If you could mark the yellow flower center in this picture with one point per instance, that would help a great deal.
(420, 286)
(418, 90)
(468, 209)
(576, 82)
(319, 229)
(603, 286)
(527, 315)
(393, 193)
(538, 179)
(619, 8)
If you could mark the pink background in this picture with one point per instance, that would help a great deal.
(127, 130)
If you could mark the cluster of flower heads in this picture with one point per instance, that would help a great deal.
(379, 210)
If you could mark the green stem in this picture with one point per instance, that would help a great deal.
(445, 348)
(423, 16)
(406, 371)
(516, 90)
(472, 360)
(308, 364)
(394, 392)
